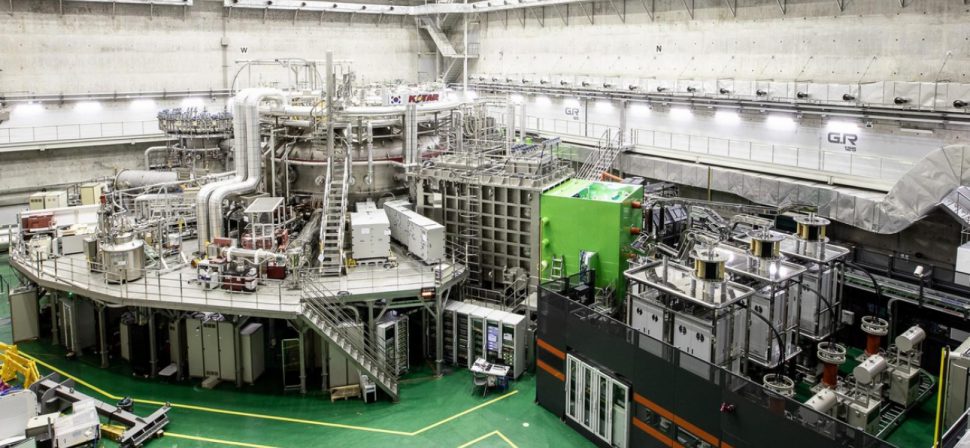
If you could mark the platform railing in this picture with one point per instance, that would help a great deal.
(81, 131)
(807, 158)
(184, 287)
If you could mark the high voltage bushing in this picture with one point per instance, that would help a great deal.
(192, 121)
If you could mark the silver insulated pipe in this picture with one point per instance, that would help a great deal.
(239, 163)
(250, 110)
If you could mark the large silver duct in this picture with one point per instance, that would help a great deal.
(925, 186)
(251, 147)
(141, 178)
(239, 163)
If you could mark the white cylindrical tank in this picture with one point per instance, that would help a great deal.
(823, 401)
(866, 372)
(911, 338)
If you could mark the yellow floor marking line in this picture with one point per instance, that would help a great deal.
(465, 412)
(493, 433)
(272, 417)
(218, 441)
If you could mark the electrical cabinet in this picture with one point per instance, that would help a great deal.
(36, 201)
(91, 193)
(397, 220)
(124, 331)
(392, 341)
(340, 369)
(426, 238)
(957, 383)
(816, 320)
(24, 315)
(253, 351)
(473, 332)
(423, 237)
(78, 326)
(647, 318)
(193, 345)
(370, 234)
(55, 199)
(226, 350)
(176, 344)
(211, 347)
(693, 337)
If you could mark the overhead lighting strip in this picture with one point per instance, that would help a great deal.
(420, 10)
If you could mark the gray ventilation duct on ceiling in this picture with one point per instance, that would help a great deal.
(940, 179)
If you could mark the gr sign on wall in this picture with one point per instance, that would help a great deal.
(847, 140)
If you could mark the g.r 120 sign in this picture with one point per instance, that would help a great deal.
(844, 138)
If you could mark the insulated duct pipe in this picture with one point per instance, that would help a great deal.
(253, 155)
(149, 152)
(239, 162)
(253, 254)
(140, 178)
(370, 154)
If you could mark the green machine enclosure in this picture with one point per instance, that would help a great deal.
(582, 215)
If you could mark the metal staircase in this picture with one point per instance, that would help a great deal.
(957, 204)
(439, 37)
(601, 159)
(450, 51)
(335, 214)
(322, 310)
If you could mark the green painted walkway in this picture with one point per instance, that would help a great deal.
(433, 412)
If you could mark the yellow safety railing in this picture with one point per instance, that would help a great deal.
(13, 363)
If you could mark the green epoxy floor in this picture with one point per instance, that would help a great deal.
(448, 402)
(425, 401)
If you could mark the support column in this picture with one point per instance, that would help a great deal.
(622, 139)
(371, 325)
(102, 336)
(55, 327)
(152, 345)
(523, 121)
(439, 333)
(302, 333)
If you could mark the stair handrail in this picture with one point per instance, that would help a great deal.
(323, 304)
(325, 205)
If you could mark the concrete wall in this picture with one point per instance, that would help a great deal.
(28, 171)
(776, 143)
(89, 50)
(872, 40)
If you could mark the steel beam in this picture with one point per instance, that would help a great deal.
(650, 8)
(732, 6)
(689, 5)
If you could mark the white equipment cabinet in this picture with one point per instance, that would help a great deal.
(253, 352)
(24, 317)
(647, 317)
(55, 199)
(426, 238)
(341, 371)
(423, 237)
(211, 349)
(370, 234)
(395, 211)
